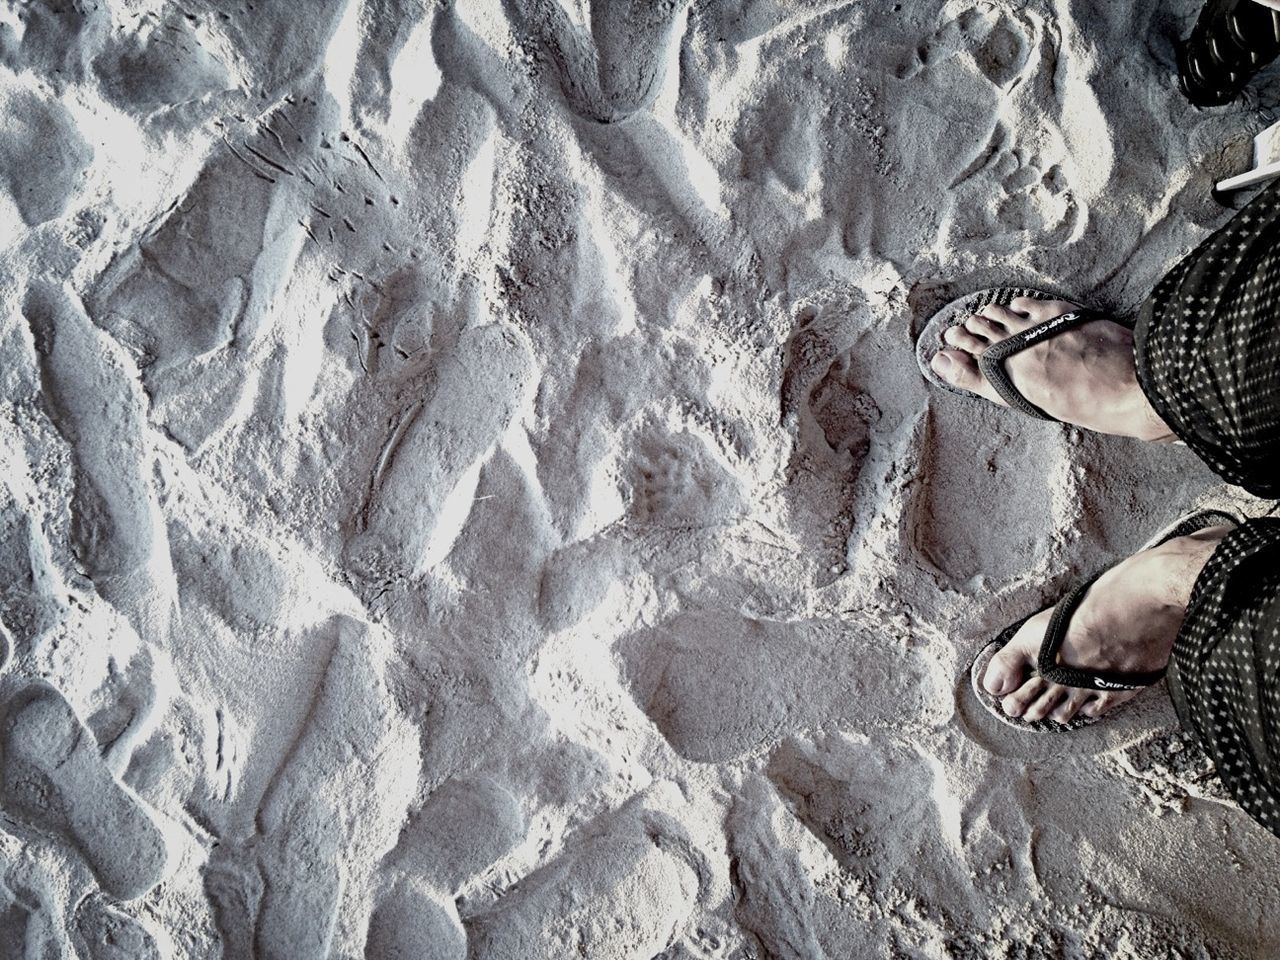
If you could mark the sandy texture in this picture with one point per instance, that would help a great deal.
(466, 489)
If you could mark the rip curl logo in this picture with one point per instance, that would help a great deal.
(1057, 322)
(1108, 685)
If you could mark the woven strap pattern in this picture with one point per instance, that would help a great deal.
(1047, 663)
(991, 360)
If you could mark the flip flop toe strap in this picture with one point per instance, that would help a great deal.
(991, 360)
(1048, 667)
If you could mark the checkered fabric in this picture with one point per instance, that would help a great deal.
(1224, 675)
(1207, 347)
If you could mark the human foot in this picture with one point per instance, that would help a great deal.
(1126, 621)
(1084, 375)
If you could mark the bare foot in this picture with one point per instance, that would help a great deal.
(1084, 376)
(1126, 621)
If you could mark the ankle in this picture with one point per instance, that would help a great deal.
(1148, 425)
(1176, 565)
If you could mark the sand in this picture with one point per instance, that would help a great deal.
(466, 489)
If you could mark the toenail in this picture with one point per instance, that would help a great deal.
(941, 362)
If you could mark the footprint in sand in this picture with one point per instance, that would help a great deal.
(869, 798)
(678, 482)
(623, 886)
(719, 685)
(823, 391)
(104, 933)
(1007, 190)
(774, 894)
(999, 44)
(615, 68)
(93, 398)
(410, 925)
(464, 826)
(974, 457)
(420, 493)
(52, 776)
(830, 388)
(39, 135)
(779, 138)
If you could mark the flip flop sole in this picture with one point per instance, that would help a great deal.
(957, 312)
(1124, 726)
(992, 702)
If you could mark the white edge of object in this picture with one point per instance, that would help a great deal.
(1249, 178)
(1266, 161)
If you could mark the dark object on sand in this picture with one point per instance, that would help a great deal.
(1231, 42)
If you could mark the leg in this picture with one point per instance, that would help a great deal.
(1224, 675)
(1207, 348)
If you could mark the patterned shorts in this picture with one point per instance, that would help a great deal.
(1207, 346)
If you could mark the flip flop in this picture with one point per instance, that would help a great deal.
(1046, 662)
(991, 360)
(1231, 42)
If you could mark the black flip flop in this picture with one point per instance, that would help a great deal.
(1046, 662)
(1231, 42)
(991, 360)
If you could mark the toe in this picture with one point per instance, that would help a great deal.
(1013, 665)
(961, 338)
(1009, 320)
(1040, 310)
(1066, 711)
(1044, 704)
(1016, 703)
(959, 369)
(985, 329)
(1006, 671)
(1100, 703)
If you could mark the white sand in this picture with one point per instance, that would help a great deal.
(465, 487)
